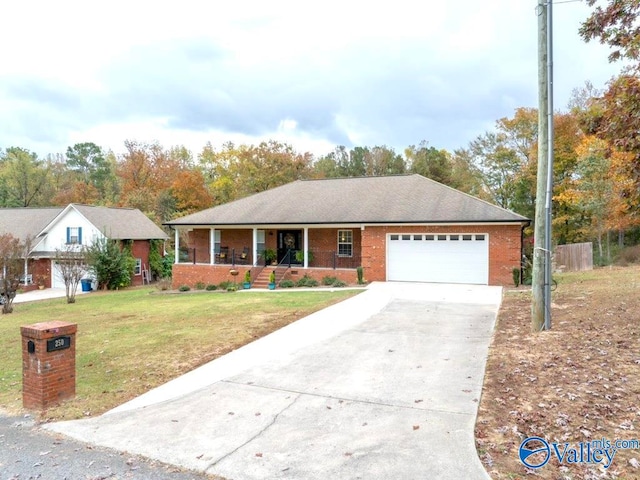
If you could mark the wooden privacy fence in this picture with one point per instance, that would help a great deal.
(574, 257)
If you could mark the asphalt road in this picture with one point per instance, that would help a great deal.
(27, 452)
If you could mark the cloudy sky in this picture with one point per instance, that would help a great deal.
(312, 74)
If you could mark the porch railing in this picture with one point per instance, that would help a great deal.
(317, 259)
(233, 257)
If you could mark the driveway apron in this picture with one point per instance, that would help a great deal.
(383, 385)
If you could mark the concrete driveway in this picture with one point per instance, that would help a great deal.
(383, 385)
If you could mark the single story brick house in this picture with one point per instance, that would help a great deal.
(398, 228)
(49, 228)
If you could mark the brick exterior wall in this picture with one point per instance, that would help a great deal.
(140, 249)
(505, 251)
(47, 377)
(188, 274)
(348, 276)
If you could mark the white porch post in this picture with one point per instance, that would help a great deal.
(212, 245)
(254, 247)
(306, 247)
(176, 239)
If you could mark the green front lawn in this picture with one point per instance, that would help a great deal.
(131, 341)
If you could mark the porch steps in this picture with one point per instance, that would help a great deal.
(263, 279)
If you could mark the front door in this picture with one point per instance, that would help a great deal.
(289, 240)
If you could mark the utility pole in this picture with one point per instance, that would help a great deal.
(541, 279)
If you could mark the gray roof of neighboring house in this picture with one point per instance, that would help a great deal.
(122, 223)
(377, 200)
(116, 223)
(26, 222)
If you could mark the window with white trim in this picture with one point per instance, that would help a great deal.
(138, 268)
(345, 243)
(74, 235)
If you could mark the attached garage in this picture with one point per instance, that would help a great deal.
(57, 281)
(438, 258)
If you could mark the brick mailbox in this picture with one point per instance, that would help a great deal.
(48, 363)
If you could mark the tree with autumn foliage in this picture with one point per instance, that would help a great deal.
(237, 171)
(615, 114)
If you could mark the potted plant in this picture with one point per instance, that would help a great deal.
(272, 280)
(300, 256)
(247, 280)
(270, 256)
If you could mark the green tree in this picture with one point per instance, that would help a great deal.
(429, 162)
(22, 178)
(89, 162)
(111, 262)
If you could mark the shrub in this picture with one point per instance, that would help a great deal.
(629, 255)
(232, 288)
(211, 286)
(307, 281)
(184, 288)
(515, 273)
(360, 273)
(247, 276)
(339, 284)
(167, 265)
(287, 284)
(329, 280)
(200, 285)
(112, 264)
(272, 277)
(225, 285)
(164, 284)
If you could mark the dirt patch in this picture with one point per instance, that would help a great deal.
(577, 383)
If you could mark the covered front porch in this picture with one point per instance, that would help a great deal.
(306, 247)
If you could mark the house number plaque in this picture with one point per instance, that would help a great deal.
(58, 343)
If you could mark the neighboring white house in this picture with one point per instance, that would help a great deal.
(55, 228)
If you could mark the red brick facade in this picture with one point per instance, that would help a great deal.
(369, 250)
(140, 249)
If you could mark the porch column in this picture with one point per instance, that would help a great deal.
(306, 247)
(212, 245)
(176, 239)
(254, 247)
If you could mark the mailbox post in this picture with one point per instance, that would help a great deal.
(48, 363)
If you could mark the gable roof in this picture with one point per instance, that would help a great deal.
(364, 200)
(117, 223)
(26, 222)
(121, 223)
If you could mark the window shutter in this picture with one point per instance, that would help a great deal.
(68, 235)
(79, 235)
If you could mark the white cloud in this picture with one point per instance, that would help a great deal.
(313, 74)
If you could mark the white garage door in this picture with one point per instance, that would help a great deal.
(56, 276)
(438, 258)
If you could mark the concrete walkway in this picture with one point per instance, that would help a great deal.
(44, 294)
(383, 385)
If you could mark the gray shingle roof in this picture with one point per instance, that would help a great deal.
(118, 223)
(122, 223)
(26, 222)
(382, 200)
